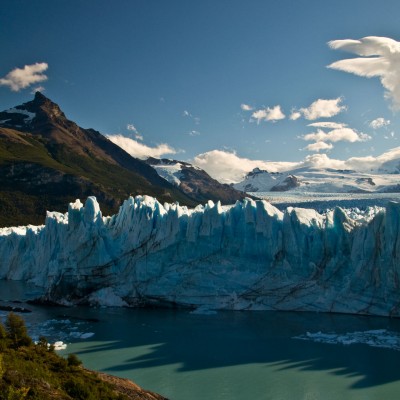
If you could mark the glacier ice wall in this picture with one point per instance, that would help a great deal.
(246, 256)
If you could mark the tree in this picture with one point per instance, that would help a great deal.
(3, 332)
(73, 360)
(16, 331)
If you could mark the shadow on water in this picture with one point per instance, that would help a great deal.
(193, 342)
(197, 342)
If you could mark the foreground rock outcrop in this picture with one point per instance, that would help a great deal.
(247, 256)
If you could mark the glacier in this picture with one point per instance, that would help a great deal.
(247, 256)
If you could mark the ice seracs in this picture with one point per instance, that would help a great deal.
(247, 256)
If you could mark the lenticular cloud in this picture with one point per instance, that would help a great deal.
(380, 58)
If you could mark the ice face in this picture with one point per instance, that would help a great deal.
(246, 256)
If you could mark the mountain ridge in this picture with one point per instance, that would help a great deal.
(324, 180)
(194, 181)
(46, 160)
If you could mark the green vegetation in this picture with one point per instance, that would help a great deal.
(35, 372)
(37, 174)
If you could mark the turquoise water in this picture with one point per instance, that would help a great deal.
(229, 355)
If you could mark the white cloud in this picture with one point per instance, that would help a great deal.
(328, 125)
(380, 57)
(228, 167)
(268, 114)
(38, 89)
(20, 78)
(194, 133)
(318, 146)
(379, 123)
(337, 135)
(187, 114)
(295, 115)
(246, 107)
(140, 150)
(132, 128)
(320, 108)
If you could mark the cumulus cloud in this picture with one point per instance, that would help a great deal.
(268, 114)
(337, 135)
(140, 150)
(379, 123)
(320, 108)
(246, 107)
(21, 78)
(295, 114)
(228, 167)
(318, 146)
(380, 57)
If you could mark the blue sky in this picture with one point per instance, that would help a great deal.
(182, 74)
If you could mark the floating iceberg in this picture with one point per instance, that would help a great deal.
(249, 256)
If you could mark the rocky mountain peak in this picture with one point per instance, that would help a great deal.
(44, 106)
(32, 113)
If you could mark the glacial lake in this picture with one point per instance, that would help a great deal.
(227, 355)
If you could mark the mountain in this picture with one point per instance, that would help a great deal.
(250, 256)
(194, 181)
(322, 180)
(47, 160)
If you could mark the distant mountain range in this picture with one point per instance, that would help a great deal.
(194, 181)
(46, 161)
(323, 180)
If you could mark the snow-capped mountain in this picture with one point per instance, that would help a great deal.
(323, 180)
(194, 182)
(249, 256)
(47, 160)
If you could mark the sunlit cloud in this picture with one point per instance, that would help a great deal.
(319, 146)
(132, 128)
(140, 150)
(295, 115)
(228, 167)
(380, 57)
(337, 135)
(246, 107)
(268, 114)
(320, 108)
(21, 78)
(379, 123)
(40, 89)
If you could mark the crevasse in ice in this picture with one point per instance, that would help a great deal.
(246, 256)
